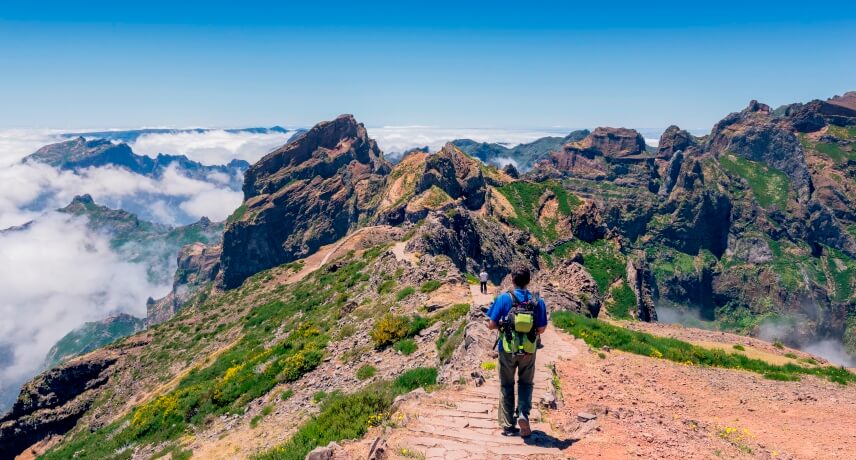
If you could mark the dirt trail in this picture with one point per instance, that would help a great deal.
(461, 422)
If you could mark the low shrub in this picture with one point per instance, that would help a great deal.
(349, 416)
(598, 334)
(430, 286)
(404, 293)
(405, 346)
(389, 329)
(366, 372)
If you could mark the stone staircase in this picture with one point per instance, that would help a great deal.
(461, 422)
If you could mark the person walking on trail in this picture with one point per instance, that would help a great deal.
(520, 318)
(483, 281)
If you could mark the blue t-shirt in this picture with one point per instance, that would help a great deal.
(502, 305)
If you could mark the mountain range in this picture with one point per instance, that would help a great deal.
(342, 284)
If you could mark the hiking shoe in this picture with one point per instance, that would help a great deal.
(513, 431)
(525, 430)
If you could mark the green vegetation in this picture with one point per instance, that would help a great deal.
(842, 132)
(389, 329)
(601, 258)
(430, 286)
(471, 279)
(405, 346)
(769, 185)
(525, 197)
(267, 410)
(349, 416)
(237, 215)
(319, 396)
(739, 347)
(623, 301)
(448, 341)
(286, 394)
(488, 365)
(302, 316)
(833, 151)
(366, 371)
(841, 271)
(451, 314)
(404, 293)
(435, 197)
(386, 287)
(598, 333)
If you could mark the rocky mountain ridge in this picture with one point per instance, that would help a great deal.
(336, 254)
(79, 153)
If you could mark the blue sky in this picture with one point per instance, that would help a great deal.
(452, 64)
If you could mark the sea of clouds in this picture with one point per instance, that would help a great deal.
(56, 274)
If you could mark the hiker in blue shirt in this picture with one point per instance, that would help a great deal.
(520, 318)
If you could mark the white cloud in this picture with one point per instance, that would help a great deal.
(211, 147)
(397, 139)
(54, 276)
(504, 161)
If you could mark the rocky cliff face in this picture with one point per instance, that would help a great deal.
(197, 265)
(614, 154)
(53, 402)
(308, 193)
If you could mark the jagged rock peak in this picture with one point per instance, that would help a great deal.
(320, 151)
(611, 142)
(674, 139)
(457, 174)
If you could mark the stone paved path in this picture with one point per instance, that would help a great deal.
(461, 422)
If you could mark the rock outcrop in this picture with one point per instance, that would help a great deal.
(616, 154)
(198, 264)
(569, 287)
(456, 174)
(641, 280)
(587, 222)
(473, 243)
(308, 193)
(674, 140)
(52, 403)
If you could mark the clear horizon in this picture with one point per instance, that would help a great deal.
(480, 64)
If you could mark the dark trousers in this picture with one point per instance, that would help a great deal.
(484, 287)
(524, 366)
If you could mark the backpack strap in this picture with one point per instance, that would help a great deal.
(514, 300)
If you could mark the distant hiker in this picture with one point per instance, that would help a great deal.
(483, 281)
(520, 318)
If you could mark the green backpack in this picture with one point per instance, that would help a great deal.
(519, 332)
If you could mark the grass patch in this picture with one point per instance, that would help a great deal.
(601, 258)
(319, 396)
(286, 395)
(524, 197)
(349, 416)
(386, 287)
(366, 372)
(488, 365)
(448, 341)
(405, 346)
(739, 347)
(404, 293)
(598, 333)
(430, 286)
(623, 301)
(769, 185)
